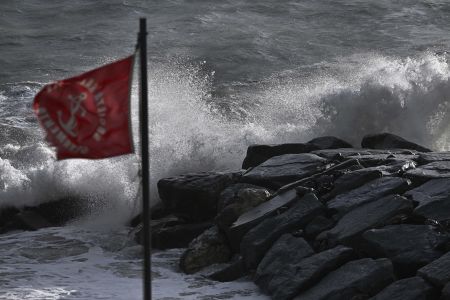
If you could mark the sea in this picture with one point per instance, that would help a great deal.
(222, 75)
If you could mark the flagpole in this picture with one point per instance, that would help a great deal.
(143, 113)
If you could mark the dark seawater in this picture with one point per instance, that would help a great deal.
(222, 75)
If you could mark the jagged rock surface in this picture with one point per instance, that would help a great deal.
(360, 278)
(414, 288)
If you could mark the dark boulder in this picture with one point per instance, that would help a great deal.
(368, 192)
(286, 280)
(438, 271)
(287, 250)
(410, 247)
(233, 271)
(245, 199)
(433, 199)
(329, 142)
(360, 278)
(446, 292)
(208, 248)
(341, 153)
(257, 154)
(430, 157)
(390, 141)
(194, 197)
(284, 169)
(434, 170)
(259, 239)
(354, 179)
(370, 215)
(259, 213)
(30, 220)
(414, 288)
(233, 194)
(172, 233)
(318, 225)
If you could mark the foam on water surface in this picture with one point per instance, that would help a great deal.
(79, 263)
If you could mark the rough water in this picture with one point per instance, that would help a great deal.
(222, 75)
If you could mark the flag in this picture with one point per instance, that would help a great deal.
(88, 116)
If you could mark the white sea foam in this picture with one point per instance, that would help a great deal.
(354, 96)
(76, 263)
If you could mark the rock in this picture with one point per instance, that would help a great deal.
(232, 194)
(370, 215)
(208, 248)
(433, 199)
(410, 247)
(257, 154)
(256, 215)
(390, 141)
(359, 278)
(354, 179)
(246, 199)
(61, 211)
(286, 280)
(260, 238)
(329, 142)
(284, 169)
(414, 288)
(232, 272)
(438, 271)
(30, 220)
(318, 225)
(370, 191)
(341, 153)
(437, 169)
(287, 250)
(446, 292)
(194, 196)
(430, 157)
(173, 235)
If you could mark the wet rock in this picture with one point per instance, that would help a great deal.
(284, 169)
(287, 250)
(429, 157)
(354, 179)
(370, 191)
(245, 199)
(194, 196)
(329, 142)
(256, 215)
(260, 238)
(410, 247)
(61, 211)
(171, 236)
(414, 288)
(437, 169)
(207, 249)
(288, 280)
(390, 141)
(231, 272)
(341, 153)
(438, 271)
(318, 225)
(361, 278)
(232, 194)
(257, 154)
(446, 292)
(30, 220)
(433, 199)
(370, 215)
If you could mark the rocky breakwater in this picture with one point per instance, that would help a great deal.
(318, 220)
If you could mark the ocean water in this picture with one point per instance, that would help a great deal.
(222, 75)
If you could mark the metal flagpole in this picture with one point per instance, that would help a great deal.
(143, 114)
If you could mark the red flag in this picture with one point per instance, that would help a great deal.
(88, 116)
